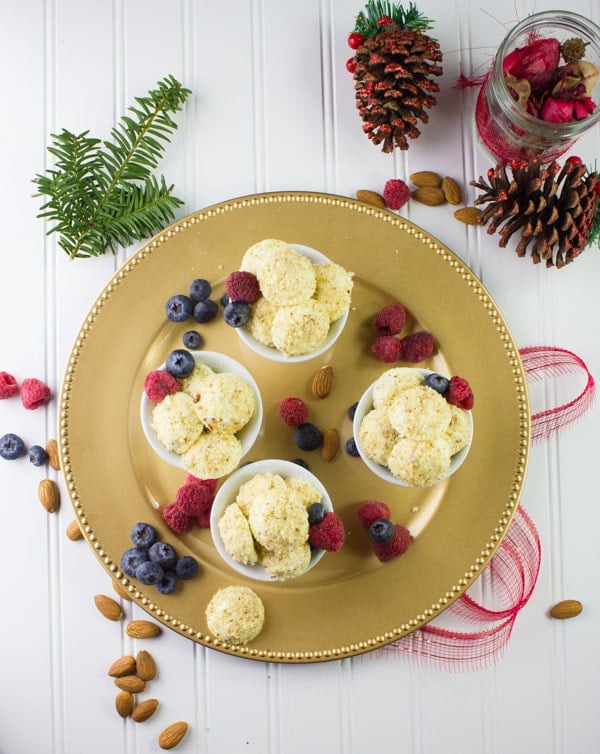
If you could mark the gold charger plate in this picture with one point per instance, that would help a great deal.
(350, 603)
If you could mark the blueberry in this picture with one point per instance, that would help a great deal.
(437, 382)
(149, 572)
(192, 339)
(143, 535)
(300, 462)
(37, 455)
(205, 311)
(224, 300)
(179, 308)
(11, 446)
(352, 411)
(381, 530)
(132, 559)
(163, 554)
(307, 436)
(316, 513)
(168, 584)
(236, 313)
(186, 567)
(351, 448)
(200, 290)
(180, 363)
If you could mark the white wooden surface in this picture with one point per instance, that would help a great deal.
(272, 110)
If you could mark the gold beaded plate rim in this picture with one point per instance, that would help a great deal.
(351, 603)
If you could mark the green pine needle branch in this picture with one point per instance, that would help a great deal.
(102, 194)
(367, 21)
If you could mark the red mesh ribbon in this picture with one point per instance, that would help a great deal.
(510, 577)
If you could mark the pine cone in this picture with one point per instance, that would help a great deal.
(552, 208)
(393, 85)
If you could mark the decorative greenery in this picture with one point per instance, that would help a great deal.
(102, 194)
(368, 21)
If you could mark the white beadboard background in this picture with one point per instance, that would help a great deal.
(272, 110)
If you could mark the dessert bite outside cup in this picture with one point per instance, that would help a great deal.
(365, 405)
(218, 363)
(335, 328)
(227, 493)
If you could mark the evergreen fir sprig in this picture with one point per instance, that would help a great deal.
(367, 21)
(103, 194)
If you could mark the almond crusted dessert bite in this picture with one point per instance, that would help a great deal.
(235, 614)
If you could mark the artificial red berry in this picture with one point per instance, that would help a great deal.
(355, 40)
(574, 160)
(384, 21)
(351, 65)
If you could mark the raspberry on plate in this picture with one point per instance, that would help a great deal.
(390, 320)
(176, 520)
(159, 383)
(293, 411)
(459, 393)
(397, 545)
(242, 286)
(328, 534)
(418, 346)
(8, 385)
(395, 193)
(194, 499)
(34, 393)
(387, 348)
(371, 510)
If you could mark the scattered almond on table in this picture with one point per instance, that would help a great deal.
(53, 456)
(172, 735)
(73, 531)
(330, 444)
(142, 629)
(322, 382)
(144, 710)
(49, 495)
(370, 197)
(108, 607)
(566, 609)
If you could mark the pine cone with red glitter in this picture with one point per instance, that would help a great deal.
(552, 209)
(393, 66)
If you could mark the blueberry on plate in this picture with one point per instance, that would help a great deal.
(132, 559)
(205, 311)
(381, 530)
(351, 448)
(37, 455)
(437, 382)
(316, 513)
(300, 462)
(179, 308)
(186, 567)
(200, 290)
(192, 339)
(149, 572)
(180, 363)
(352, 410)
(11, 446)
(164, 554)
(236, 313)
(308, 436)
(143, 534)
(224, 299)
(168, 584)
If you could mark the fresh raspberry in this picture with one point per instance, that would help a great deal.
(34, 393)
(211, 484)
(159, 383)
(390, 320)
(8, 385)
(387, 348)
(370, 511)
(459, 393)
(293, 411)
(328, 534)
(203, 520)
(396, 193)
(418, 346)
(242, 286)
(193, 499)
(397, 545)
(176, 520)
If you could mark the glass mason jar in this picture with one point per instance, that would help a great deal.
(505, 127)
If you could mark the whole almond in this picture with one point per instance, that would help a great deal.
(131, 683)
(566, 609)
(451, 190)
(124, 703)
(108, 607)
(73, 530)
(172, 735)
(121, 591)
(53, 456)
(426, 178)
(123, 666)
(142, 629)
(145, 665)
(330, 444)
(49, 495)
(468, 215)
(144, 710)
(429, 195)
(370, 197)
(322, 382)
